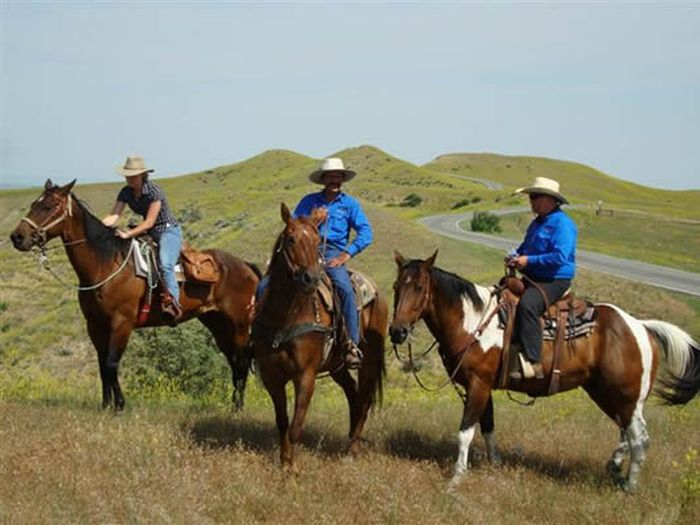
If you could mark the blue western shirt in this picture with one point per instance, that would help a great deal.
(344, 214)
(550, 246)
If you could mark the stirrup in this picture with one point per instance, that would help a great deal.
(528, 370)
(353, 356)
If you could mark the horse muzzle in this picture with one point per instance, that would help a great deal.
(398, 334)
(308, 281)
(22, 242)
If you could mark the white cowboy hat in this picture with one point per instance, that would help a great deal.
(545, 186)
(133, 166)
(332, 164)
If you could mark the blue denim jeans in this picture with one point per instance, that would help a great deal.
(341, 282)
(169, 246)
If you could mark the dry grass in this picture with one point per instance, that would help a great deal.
(64, 461)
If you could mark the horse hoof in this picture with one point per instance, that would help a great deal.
(454, 483)
(614, 471)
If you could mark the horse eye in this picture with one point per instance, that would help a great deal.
(419, 288)
(289, 240)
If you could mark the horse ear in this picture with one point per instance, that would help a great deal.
(399, 259)
(285, 213)
(428, 263)
(48, 184)
(65, 190)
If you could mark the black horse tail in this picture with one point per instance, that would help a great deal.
(681, 381)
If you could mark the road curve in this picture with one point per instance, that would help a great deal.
(661, 276)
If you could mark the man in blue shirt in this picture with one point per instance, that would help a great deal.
(342, 213)
(547, 256)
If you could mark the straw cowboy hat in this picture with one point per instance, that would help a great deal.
(133, 166)
(545, 186)
(332, 164)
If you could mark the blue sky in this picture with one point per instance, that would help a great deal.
(194, 85)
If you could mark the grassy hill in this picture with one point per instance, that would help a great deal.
(580, 183)
(176, 455)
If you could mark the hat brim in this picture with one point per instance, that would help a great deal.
(317, 176)
(544, 191)
(132, 173)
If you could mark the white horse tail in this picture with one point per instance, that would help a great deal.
(681, 382)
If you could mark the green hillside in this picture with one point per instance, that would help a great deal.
(236, 207)
(580, 183)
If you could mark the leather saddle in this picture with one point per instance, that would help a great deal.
(565, 320)
(364, 288)
(192, 265)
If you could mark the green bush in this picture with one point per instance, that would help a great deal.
(459, 204)
(184, 358)
(484, 221)
(411, 201)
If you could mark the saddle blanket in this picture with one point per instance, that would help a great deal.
(364, 287)
(143, 253)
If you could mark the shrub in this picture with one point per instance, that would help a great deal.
(459, 204)
(484, 221)
(185, 358)
(412, 200)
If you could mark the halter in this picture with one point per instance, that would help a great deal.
(42, 229)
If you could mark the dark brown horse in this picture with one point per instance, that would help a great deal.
(616, 364)
(294, 337)
(111, 309)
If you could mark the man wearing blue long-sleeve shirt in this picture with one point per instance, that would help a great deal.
(547, 256)
(343, 214)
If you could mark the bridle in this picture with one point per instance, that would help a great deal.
(293, 268)
(41, 230)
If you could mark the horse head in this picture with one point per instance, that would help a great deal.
(411, 295)
(298, 245)
(45, 218)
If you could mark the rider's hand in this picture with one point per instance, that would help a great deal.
(518, 262)
(122, 234)
(339, 261)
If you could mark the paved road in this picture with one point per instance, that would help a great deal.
(661, 276)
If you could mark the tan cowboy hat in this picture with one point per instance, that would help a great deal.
(545, 186)
(332, 164)
(133, 166)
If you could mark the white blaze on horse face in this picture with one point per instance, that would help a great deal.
(491, 336)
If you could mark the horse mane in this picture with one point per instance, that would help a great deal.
(452, 285)
(99, 236)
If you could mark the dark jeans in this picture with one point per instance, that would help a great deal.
(527, 319)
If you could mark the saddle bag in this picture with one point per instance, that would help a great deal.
(199, 266)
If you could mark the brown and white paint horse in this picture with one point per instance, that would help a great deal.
(111, 309)
(616, 365)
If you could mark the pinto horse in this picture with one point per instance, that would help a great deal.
(110, 293)
(616, 364)
(294, 337)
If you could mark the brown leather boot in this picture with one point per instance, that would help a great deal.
(528, 370)
(171, 310)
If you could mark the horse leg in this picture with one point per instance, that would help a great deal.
(614, 465)
(238, 358)
(99, 335)
(276, 388)
(638, 441)
(304, 385)
(347, 383)
(477, 398)
(486, 424)
(118, 338)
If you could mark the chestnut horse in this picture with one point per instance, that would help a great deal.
(616, 364)
(292, 328)
(110, 293)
